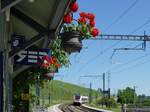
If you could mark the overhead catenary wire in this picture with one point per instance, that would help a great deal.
(131, 67)
(116, 20)
(131, 61)
(122, 15)
(101, 53)
(134, 31)
(136, 59)
(141, 26)
(95, 57)
(138, 28)
(108, 48)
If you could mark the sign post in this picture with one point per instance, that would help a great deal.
(1, 81)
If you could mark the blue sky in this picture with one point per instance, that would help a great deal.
(126, 68)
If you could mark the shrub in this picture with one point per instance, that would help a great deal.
(109, 102)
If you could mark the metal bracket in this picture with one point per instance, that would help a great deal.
(143, 47)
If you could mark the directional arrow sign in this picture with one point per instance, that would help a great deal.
(31, 57)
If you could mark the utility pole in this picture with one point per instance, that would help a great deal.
(134, 89)
(109, 84)
(94, 76)
(90, 93)
(106, 93)
(108, 88)
(103, 88)
(108, 79)
(103, 82)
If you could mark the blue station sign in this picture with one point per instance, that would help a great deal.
(31, 57)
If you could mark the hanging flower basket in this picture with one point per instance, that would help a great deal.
(49, 76)
(71, 41)
(47, 73)
(76, 30)
(49, 66)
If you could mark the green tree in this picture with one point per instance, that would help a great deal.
(143, 100)
(121, 97)
(108, 102)
(126, 96)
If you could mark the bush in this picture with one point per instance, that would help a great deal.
(108, 102)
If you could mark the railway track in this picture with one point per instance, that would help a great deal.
(72, 108)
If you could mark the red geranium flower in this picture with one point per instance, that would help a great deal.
(82, 20)
(95, 32)
(57, 65)
(92, 23)
(83, 14)
(47, 58)
(74, 7)
(91, 16)
(53, 60)
(67, 18)
(45, 65)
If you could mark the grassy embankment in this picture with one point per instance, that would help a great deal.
(55, 92)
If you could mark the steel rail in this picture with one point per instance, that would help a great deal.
(72, 108)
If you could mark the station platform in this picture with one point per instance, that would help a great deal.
(96, 108)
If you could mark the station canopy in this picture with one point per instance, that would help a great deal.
(38, 21)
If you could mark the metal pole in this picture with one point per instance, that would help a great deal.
(37, 91)
(109, 80)
(103, 82)
(103, 88)
(134, 89)
(6, 76)
(49, 97)
(1, 81)
(52, 92)
(90, 93)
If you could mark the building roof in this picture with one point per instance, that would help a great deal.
(38, 21)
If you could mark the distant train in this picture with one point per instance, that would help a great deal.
(79, 99)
